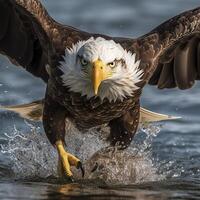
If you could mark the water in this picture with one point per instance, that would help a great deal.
(163, 160)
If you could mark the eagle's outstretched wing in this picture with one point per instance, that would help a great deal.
(177, 52)
(31, 38)
(170, 54)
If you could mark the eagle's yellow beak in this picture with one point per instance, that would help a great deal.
(99, 73)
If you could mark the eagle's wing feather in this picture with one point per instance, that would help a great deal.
(170, 54)
(22, 38)
(31, 38)
(61, 36)
(177, 52)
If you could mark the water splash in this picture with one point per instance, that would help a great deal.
(124, 167)
(32, 156)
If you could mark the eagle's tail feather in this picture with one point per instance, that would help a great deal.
(149, 116)
(32, 111)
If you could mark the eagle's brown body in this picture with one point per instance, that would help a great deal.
(169, 57)
(87, 113)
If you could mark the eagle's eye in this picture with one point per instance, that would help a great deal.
(83, 62)
(112, 64)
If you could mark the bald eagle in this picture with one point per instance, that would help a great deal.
(94, 79)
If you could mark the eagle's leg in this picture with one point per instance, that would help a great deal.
(123, 129)
(54, 118)
(66, 160)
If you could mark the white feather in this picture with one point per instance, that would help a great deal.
(123, 82)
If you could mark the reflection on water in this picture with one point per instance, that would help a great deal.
(177, 189)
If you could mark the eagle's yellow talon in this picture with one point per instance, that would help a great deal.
(66, 164)
(73, 160)
(66, 160)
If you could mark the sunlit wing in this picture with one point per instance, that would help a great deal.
(178, 59)
(170, 54)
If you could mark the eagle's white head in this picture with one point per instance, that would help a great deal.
(100, 67)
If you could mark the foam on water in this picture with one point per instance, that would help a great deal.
(32, 156)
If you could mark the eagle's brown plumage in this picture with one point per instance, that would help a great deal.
(170, 57)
